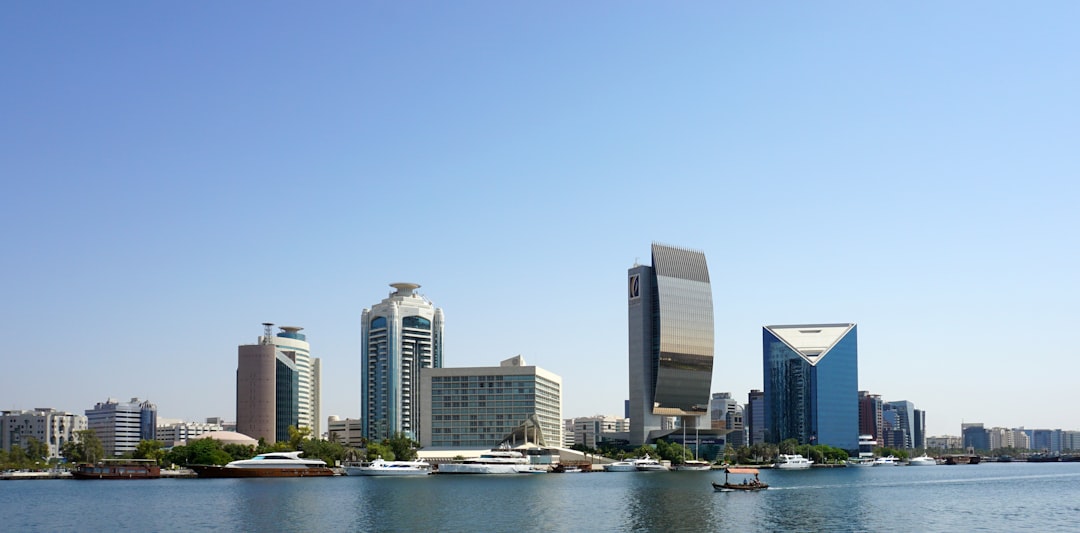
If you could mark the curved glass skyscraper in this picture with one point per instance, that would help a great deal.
(401, 335)
(812, 384)
(671, 339)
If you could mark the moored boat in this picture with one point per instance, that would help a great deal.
(118, 469)
(747, 484)
(886, 461)
(378, 467)
(693, 466)
(499, 461)
(648, 464)
(923, 460)
(792, 462)
(274, 464)
(620, 466)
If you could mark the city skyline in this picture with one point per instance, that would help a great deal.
(909, 168)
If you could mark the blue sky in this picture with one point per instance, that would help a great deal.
(176, 174)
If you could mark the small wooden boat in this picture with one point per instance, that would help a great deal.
(746, 485)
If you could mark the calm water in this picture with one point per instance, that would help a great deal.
(985, 497)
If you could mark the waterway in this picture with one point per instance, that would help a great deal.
(986, 497)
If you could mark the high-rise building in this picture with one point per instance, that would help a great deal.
(811, 384)
(918, 430)
(975, 436)
(295, 346)
(121, 425)
(870, 420)
(267, 389)
(903, 427)
(479, 407)
(400, 335)
(754, 416)
(670, 315)
(725, 413)
(46, 425)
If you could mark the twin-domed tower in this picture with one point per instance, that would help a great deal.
(400, 335)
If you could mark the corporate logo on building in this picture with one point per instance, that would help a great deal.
(635, 287)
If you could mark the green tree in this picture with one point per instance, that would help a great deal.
(329, 451)
(84, 448)
(239, 452)
(150, 449)
(403, 447)
(787, 447)
(376, 450)
(36, 451)
(206, 451)
(297, 436)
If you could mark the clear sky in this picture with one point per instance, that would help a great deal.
(176, 173)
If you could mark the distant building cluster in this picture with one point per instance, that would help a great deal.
(47, 425)
(809, 394)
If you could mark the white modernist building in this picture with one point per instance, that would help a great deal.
(47, 425)
(589, 430)
(174, 432)
(400, 335)
(479, 407)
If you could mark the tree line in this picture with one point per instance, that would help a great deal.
(86, 447)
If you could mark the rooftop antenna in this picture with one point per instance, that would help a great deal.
(268, 332)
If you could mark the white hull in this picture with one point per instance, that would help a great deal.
(693, 468)
(886, 461)
(652, 468)
(620, 467)
(464, 468)
(369, 471)
(922, 461)
(793, 462)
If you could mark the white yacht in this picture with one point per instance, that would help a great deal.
(648, 464)
(501, 461)
(886, 461)
(792, 462)
(620, 466)
(693, 466)
(924, 460)
(378, 467)
(275, 464)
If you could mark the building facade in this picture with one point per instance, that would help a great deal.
(174, 432)
(811, 384)
(590, 430)
(726, 413)
(975, 436)
(44, 424)
(121, 425)
(345, 431)
(400, 335)
(670, 315)
(308, 369)
(754, 417)
(477, 407)
(901, 414)
(267, 389)
(870, 417)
